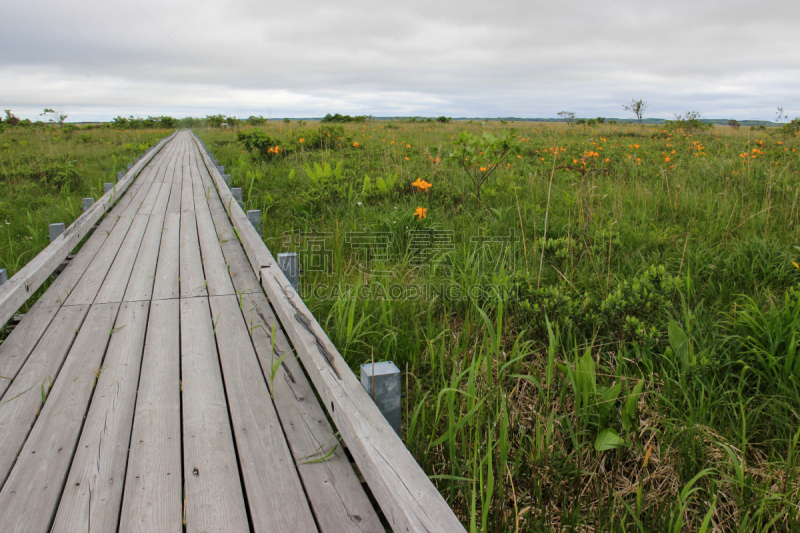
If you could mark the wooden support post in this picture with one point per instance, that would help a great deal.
(254, 216)
(56, 230)
(289, 265)
(382, 382)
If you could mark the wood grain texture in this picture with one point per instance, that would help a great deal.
(214, 497)
(24, 283)
(257, 253)
(93, 492)
(87, 288)
(34, 486)
(116, 281)
(20, 404)
(20, 343)
(167, 284)
(408, 499)
(58, 292)
(277, 500)
(152, 496)
(214, 267)
(333, 489)
(193, 281)
(140, 286)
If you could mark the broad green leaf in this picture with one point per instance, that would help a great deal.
(608, 439)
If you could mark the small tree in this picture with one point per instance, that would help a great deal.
(780, 116)
(733, 123)
(637, 107)
(53, 116)
(215, 121)
(790, 129)
(11, 118)
(569, 116)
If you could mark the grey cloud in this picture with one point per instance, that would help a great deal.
(467, 58)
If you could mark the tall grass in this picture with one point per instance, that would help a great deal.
(644, 378)
(45, 173)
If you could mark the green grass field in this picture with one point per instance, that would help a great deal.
(604, 340)
(45, 172)
(612, 353)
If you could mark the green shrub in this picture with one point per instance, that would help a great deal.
(260, 143)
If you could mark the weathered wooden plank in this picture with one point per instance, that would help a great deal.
(277, 501)
(24, 283)
(60, 289)
(187, 187)
(116, 282)
(152, 497)
(258, 254)
(193, 282)
(167, 284)
(34, 486)
(20, 343)
(20, 405)
(214, 498)
(58, 292)
(140, 286)
(87, 288)
(93, 492)
(334, 491)
(214, 267)
(408, 499)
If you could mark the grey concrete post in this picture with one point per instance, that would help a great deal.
(287, 262)
(382, 382)
(120, 175)
(107, 187)
(130, 166)
(254, 216)
(56, 230)
(87, 203)
(221, 169)
(3, 276)
(237, 193)
(227, 178)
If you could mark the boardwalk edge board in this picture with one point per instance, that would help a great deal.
(404, 492)
(24, 283)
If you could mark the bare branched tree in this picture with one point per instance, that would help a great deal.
(637, 107)
(569, 116)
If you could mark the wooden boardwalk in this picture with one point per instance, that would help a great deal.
(136, 394)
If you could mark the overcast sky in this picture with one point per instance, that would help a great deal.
(96, 59)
